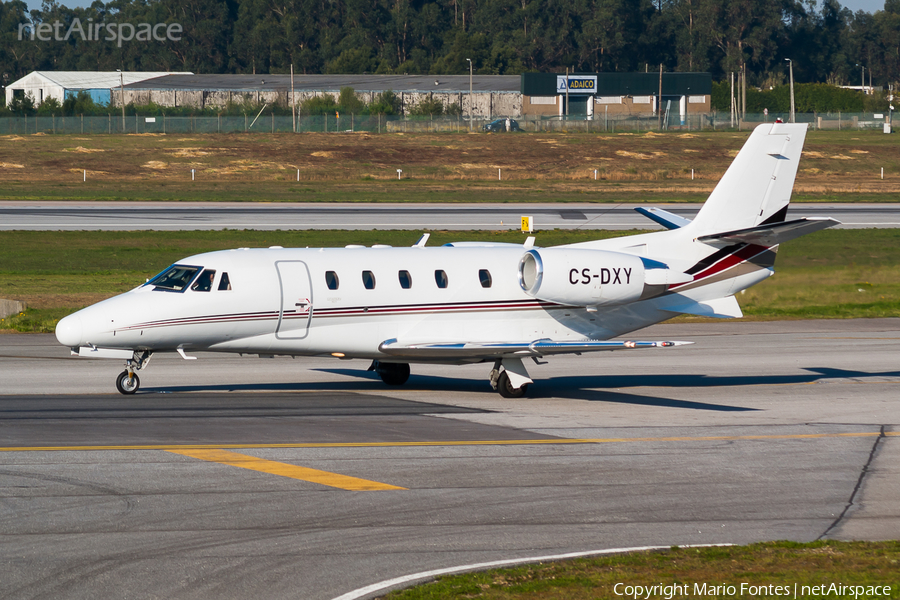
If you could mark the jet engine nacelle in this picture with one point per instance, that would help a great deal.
(592, 277)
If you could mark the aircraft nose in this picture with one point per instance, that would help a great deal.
(69, 330)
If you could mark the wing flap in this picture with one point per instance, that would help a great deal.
(720, 308)
(536, 348)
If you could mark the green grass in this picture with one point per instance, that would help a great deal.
(772, 563)
(830, 274)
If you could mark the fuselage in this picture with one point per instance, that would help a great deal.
(344, 302)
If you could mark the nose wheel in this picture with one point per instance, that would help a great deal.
(127, 383)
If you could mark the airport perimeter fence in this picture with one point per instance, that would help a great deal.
(270, 123)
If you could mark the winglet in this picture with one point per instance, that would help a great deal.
(422, 241)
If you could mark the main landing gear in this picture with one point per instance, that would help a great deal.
(513, 380)
(391, 373)
(128, 382)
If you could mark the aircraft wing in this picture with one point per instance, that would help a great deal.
(536, 348)
(773, 234)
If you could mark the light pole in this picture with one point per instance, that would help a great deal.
(122, 88)
(470, 94)
(791, 67)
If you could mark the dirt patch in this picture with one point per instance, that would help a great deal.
(859, 152)
(83, 150)
(842, 157)
(6, 165)
(325, 154)
(156, 164)
(189, 152)
(637, 155)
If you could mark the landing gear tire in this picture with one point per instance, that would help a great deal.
(393, 373)
(127, 385)
(504, 386)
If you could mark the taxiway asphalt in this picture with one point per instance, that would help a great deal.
(118, 216)
(243, 477)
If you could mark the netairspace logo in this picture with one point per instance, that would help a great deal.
(95, 32)
(677, 590)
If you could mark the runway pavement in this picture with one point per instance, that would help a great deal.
(236, 477)
(197, 216)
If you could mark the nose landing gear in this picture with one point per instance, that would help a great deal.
(128, 382)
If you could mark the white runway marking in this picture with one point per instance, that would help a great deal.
(427, 575)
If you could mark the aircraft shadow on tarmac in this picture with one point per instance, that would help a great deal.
(596, 388)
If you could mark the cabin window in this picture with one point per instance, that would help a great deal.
(405, 279)
(440, 277)
(331, 280)
(225, 283)
(484, 276)
(368, 278)
(204, 283)
(174, 279)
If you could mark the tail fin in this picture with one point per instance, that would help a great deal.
(756, 188)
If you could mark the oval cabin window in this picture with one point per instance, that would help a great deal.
(368, 278)
(484, 276)
(331, 280)
(405, 279)
(440, 277)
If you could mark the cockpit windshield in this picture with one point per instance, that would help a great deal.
(174, 279)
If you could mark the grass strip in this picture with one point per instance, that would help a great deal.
(830, 274)
(771, 569)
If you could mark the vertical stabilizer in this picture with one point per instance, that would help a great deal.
(757, 187)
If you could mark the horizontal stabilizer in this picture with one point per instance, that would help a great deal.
(536, 348)
(663, 217)
(773, 234)
(720, 308)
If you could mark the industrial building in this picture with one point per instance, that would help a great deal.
(536, 95)
(594, 95)
(490, 94)
(43, 85)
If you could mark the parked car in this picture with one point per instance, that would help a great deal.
(498, 125)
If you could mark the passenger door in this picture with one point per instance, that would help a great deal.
(296, 300)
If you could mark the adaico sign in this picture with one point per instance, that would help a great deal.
(578, 84)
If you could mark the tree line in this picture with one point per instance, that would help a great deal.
(827, 44)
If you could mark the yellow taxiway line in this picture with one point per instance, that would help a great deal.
(335, 480)
(549, 441)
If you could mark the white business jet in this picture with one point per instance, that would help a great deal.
(462, 303)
